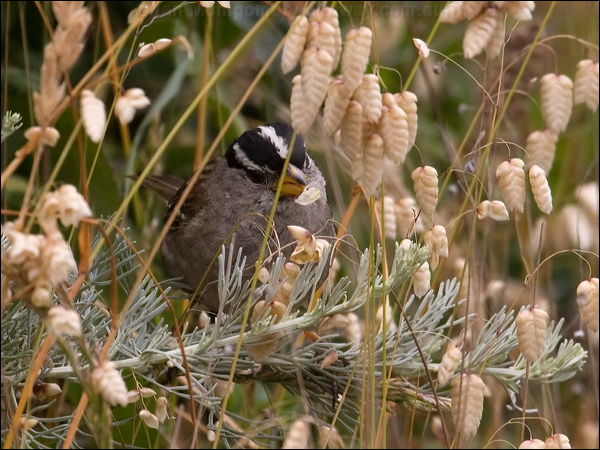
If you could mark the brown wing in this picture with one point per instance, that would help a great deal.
(164, 185)
(196, 200)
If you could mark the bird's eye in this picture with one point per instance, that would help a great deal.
(255, 177)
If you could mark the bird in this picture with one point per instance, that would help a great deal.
(231, 202)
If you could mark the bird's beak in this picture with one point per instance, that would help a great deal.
(293, 182)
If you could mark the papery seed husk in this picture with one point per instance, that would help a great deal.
(556, 101)
(355, 56)
(479, 32)
(294, 44)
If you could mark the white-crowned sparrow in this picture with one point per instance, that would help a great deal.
(232, 200)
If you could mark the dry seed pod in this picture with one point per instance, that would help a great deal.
(495, 209)
(585, 88)
(494, 46)
(329, 359)
(532, 443)
(422, 280)
(303, 113)
(479, 32)
(153, 47)
(426, 188)
(260, 351)
(93, 115)
(127, 104)
(48, 136)
(540, 148)
(470, 10)
(149, 419)
(27, 423)
(335, 105)
(531, 332)
(518, 10)
(436, 240)
(329, 437)
(42, 390)
(540, 189)
(315, 70)
(322, 35)
(107, 381)
(483, 209)
(299, 435)
(331, 324)
(449, 364)
(263, 275)
(499, 211)
(408, 102)
(372, 164)
(354, 331)
(161, 409)
(390, 324)
(351, 130)
(466, 398)
(558, 441)
(587, 300)
(421, 47)
(283, 294)
(511, 178)
(330, 16)
(368, 94)
(452, 13)
(393, 127)
(406, 217)
(355, 56)
(294, 44)
(389, 216)
(556, 95)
